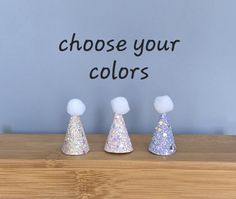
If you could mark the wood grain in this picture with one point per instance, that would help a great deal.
(32, 166)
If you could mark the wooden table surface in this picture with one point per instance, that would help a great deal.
(32, 166)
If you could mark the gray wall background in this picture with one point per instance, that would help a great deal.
(36, 80)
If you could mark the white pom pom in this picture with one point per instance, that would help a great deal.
(163, 104)
(120, 105)
(76, 107)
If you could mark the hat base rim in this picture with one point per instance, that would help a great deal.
(119, 152)
(162, 154)
(74, 153)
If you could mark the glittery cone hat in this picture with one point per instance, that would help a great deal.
(163, 142)
(118, 140)
(75, 140)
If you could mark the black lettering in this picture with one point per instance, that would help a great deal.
(140, 47)
(113, 70)
(74, 41)
(90, 42)
(165, 47)
(106, 75)
(148, 48)
(60, 45)
(91, 73)
(121, 44)
(97, 45)
(109, 43)
(144, 73)
(126, 72)
(133, 72)
(173, 44)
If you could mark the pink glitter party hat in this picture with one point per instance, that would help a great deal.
(118, 140)
(75, 140)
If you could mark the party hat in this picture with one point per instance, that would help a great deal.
(163, 142)
(118, 140)
(75, 140)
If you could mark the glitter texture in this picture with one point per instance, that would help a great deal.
(75, 140)
(118, 140)
(163, 142)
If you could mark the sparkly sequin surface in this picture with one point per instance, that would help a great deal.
(75, 140)
(118, 140)
(163, 142)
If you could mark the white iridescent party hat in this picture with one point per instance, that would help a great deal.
(75, 140)
(118, 140)
(163, 142)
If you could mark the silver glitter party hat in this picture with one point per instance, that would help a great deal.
(163, 142)
(75, 140)
(118, 140)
